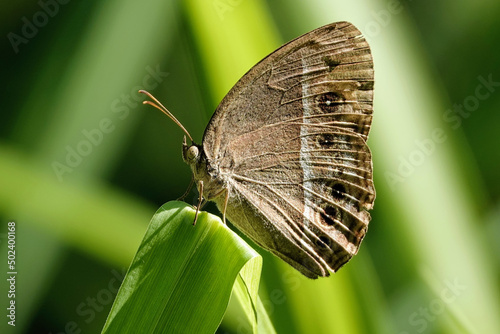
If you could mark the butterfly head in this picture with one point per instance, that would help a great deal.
(190, 153)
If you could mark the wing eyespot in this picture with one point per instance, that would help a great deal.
(323, 242)
(330, 102)
(331, 63)
(338, 191)
(326, 140)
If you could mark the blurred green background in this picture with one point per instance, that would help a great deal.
(84, 166)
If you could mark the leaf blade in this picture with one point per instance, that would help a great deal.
(182, 275)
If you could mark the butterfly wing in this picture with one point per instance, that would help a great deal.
(289, 142)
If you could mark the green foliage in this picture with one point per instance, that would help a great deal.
(181, 277)
(435, 223)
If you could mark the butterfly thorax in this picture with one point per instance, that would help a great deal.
(194, 156)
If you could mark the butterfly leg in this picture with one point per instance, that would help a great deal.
(187, 190)
(225, 206)
(200, 201)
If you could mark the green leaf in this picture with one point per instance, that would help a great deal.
(181, 278)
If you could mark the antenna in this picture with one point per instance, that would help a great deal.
(157, 104)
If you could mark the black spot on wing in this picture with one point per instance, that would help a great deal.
(338, 191)
(326, 140)
(330, 102)
(327, 219)
(331, 63)
(329, 214)
(323, 241)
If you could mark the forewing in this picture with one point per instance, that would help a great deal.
(290, 140)
(334, 60)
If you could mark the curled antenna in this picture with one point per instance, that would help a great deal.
(157, 104)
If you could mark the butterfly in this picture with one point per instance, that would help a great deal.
(285, 157)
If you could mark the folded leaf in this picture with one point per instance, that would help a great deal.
(181, 278)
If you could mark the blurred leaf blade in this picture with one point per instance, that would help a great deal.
(181, 278)
(122, 213)
(230, 39)
(88, 56)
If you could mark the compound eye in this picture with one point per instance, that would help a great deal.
(192, 153)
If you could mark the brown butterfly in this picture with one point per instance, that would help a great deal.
(285, 157)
